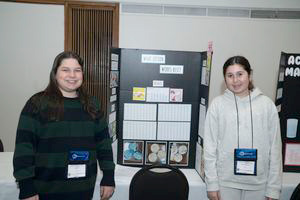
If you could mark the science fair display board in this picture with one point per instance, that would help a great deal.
(288, 106)
(160, 94)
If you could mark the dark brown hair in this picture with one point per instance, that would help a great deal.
(52, 97)
(240, 60)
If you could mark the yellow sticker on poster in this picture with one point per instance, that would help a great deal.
(139, 94)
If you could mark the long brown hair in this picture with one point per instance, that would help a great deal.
(51, 97)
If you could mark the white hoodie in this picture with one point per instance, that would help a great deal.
(221, 138)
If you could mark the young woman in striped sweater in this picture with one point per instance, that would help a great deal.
(61, 136)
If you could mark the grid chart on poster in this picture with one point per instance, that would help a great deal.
(174, 112)
(173, 131)
(157, 94)
(138, 111)
(141, 130)
(172, 123)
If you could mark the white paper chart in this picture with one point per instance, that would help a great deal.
(157, 94)
(138, 111)
(139, 130)
(202, 114)
(174, 112)
(292, 154)
(173, 131)
(112, 117)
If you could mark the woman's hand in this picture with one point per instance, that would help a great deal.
(213, 195)
(35, 197)
(106, 192)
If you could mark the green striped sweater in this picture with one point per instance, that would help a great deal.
(42, 149)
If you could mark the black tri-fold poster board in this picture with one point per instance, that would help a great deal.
(288, 106)
(159, 96)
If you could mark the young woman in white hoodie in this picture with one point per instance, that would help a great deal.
(242, 141)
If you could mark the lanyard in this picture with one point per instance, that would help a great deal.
(237, 120)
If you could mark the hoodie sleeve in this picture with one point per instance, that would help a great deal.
(210, 148)
(275, 164)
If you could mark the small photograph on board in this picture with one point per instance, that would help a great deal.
(176, 95)
(133, 152)
(113, 107)
(178, 153)
(114, 65)
(114, 57)
(292, 154)
(199, 164)
(138, 94)
(156, 152)
(114, 78)
(205, 76)
(112, 128)
(113, 91)
(113, 98)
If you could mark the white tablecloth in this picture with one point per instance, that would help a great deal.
(123, 175)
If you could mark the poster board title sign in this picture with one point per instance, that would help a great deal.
(293, 68)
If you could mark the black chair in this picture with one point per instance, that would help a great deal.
(1, 146)
(296, 193)
(159, 182)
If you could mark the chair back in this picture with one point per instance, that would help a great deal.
(296, 193)
(159, 182)
(1, 146)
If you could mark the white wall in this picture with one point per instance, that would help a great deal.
(261, 41)
(30, 37)
(290, 4)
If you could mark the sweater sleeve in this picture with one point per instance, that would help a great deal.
(210, 149)
(105, 154)
(275, 164)
(24, 154)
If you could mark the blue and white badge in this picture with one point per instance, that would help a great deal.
(245, 161)
(78, 156)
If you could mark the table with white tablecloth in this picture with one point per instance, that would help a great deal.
(123, 176)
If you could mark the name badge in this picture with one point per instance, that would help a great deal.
(77, 165)
(76, 171)
(245, 162)
(78, 156)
